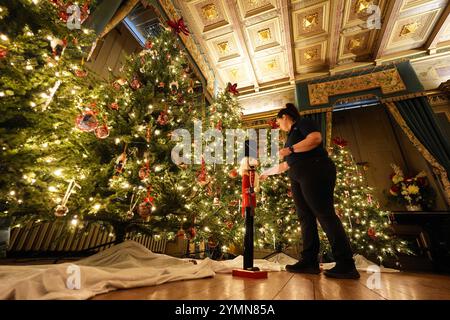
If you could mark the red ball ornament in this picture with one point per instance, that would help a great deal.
(87, 121)
(192, 232)
(143, 173)
(145, 209)
(149, 44)
(163, 118)
(114, 106)
(81, 73)
(135, 84)
(289, 193)
(233, 173)
(372, 233)
(63, 15)
(119, 83)
(61, 210)
(102, 132)
(229, 224)
(3, 53)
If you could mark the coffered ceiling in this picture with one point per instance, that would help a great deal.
(270, 44)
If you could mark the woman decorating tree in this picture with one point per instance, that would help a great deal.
(313, 178)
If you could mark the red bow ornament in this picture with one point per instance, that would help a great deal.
(232, 88)
(178, 26)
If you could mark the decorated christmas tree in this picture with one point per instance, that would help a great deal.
(218, 218)
(277, 222)
(366, 224)
(42, 82)
(85, 150)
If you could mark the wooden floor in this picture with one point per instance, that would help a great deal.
(288, 286)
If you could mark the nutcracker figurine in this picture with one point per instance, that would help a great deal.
(250, 185)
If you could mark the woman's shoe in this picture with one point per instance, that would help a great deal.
(342, 272)
(304, 267)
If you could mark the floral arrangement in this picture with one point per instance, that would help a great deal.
(411, 190)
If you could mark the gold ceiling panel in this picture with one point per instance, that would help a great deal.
(271, 68)
(311, 57)
(238, 73)
(357, 12)
(224, 47)
(210, 14)
(264, 35)
(412, 32)
(251, 8)
(356, 44)
(311, 21)
(410, 4)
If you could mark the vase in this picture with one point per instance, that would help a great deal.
(414, 207)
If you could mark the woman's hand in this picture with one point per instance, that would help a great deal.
(263, 177)
(284, 152)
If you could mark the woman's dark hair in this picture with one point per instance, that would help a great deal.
(291, 111)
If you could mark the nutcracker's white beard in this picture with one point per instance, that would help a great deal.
(246, 162)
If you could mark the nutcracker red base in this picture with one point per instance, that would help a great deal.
(250, 274)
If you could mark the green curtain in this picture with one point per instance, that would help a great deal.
(420, 118)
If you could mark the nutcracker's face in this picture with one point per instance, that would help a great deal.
(284, 123)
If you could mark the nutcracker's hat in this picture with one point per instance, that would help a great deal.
(251, 149)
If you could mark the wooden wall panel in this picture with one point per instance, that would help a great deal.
(112, 50)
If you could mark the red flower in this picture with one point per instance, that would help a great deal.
(394, 190)
(340, 142)
(273, 124)
(422, 181)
